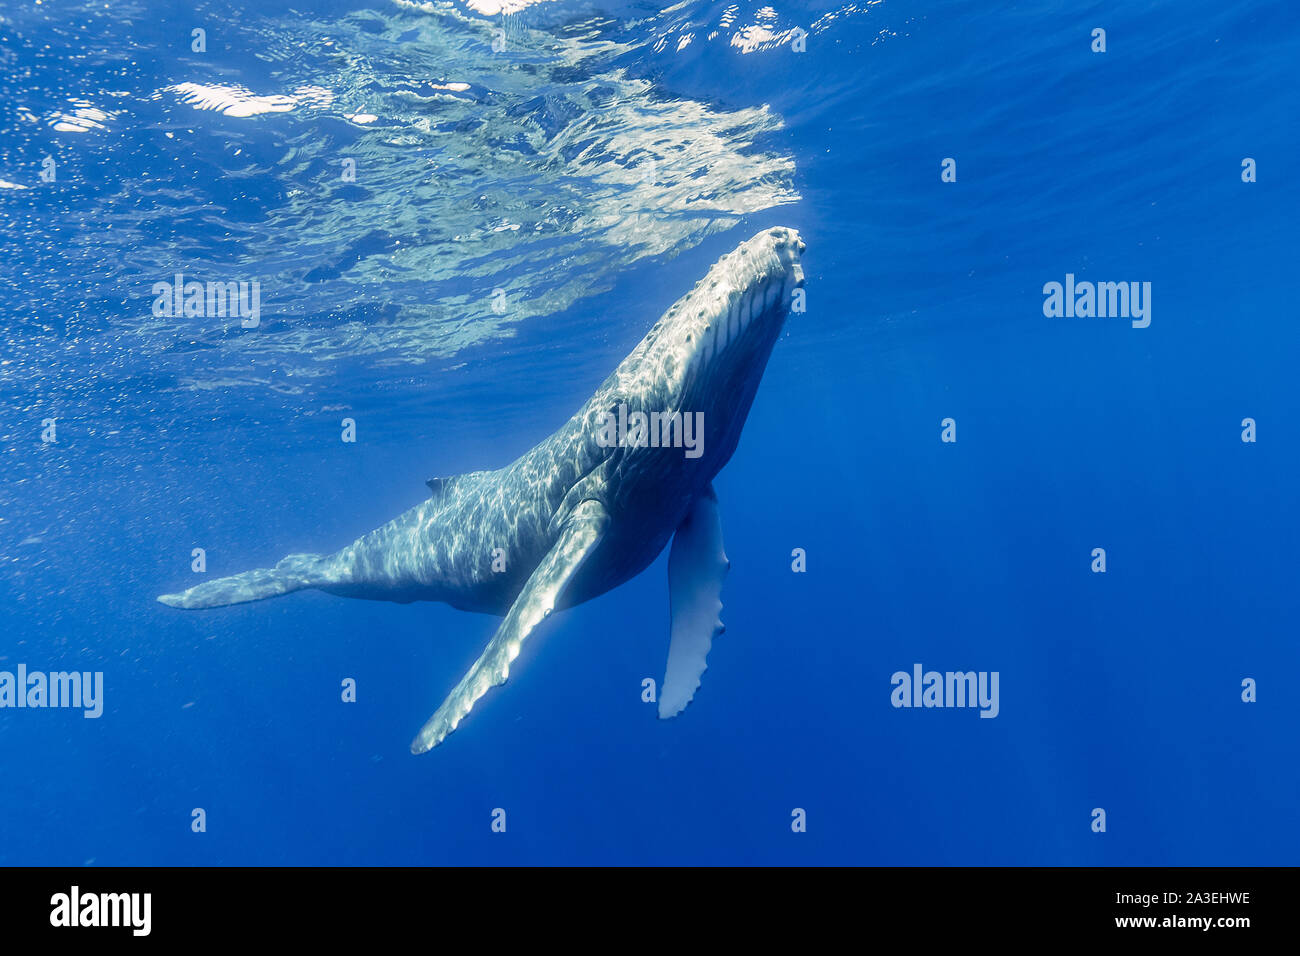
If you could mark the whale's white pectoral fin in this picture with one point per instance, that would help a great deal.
(697, 566)
(582, 532)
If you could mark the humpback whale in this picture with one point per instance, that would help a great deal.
(591, 506)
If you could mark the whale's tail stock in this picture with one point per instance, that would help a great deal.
(294, 573)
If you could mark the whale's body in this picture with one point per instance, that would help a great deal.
(591, 506)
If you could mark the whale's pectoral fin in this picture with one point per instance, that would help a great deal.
(582, 532)
(696, 569)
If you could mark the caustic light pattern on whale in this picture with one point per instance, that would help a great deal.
(578, 515)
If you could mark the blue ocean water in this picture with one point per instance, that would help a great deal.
(383, 170)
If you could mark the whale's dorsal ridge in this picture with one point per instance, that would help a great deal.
(440, 486)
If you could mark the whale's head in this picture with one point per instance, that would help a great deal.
(686, 389)
(734, 314)
(713, 345)
(670, 416)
